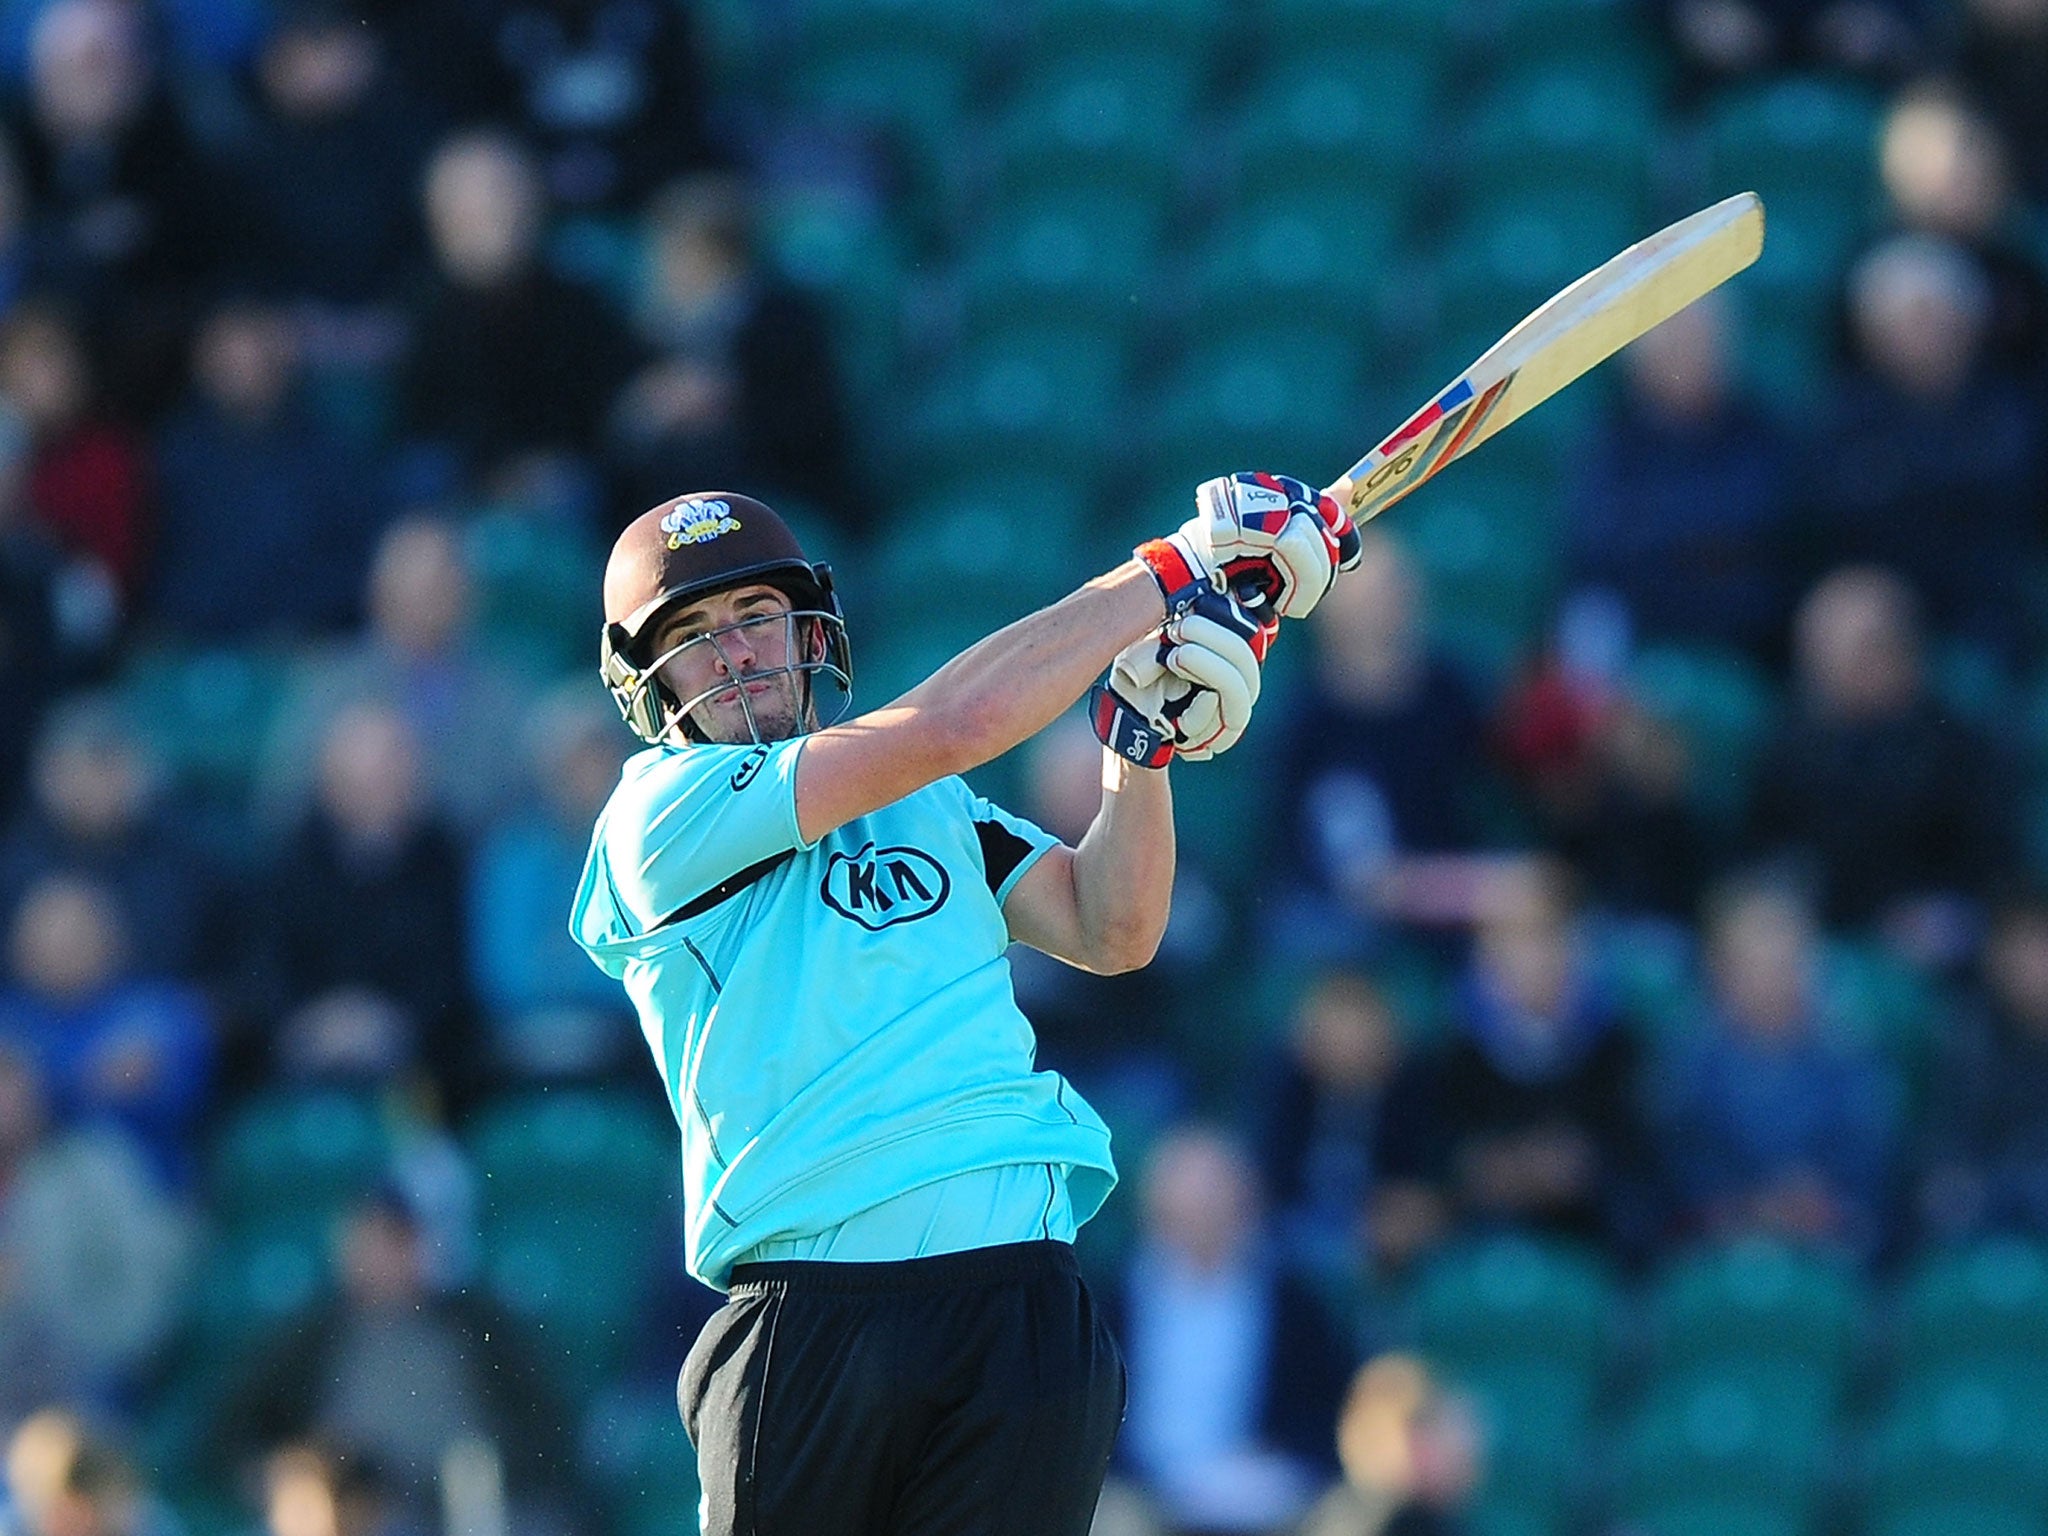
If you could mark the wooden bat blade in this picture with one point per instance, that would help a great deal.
(1569, 333)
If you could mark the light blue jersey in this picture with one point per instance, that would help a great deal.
(834, 1021)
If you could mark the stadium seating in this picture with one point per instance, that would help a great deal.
(1081, 258)
(205, 712)
(1987, 1301)
(1510, 1299)
(292, 1159)
(1760, 1303)
(1960, 1438)
(1701, 1436)
(1113, 122)
(1721, 703)
(1976, 1517)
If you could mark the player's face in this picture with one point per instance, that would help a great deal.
(733, 654)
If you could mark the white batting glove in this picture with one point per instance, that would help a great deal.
(1188, 688)
(1272, 536)
(1218, 650)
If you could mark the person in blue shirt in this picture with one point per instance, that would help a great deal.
(810, 917)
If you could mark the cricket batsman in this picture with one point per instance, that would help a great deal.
(810, 915)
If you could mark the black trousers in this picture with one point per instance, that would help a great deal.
(968, 1394)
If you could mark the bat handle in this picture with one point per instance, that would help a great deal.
(1350, 542)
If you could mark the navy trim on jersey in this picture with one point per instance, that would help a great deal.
(726, 889)
(1001, 851)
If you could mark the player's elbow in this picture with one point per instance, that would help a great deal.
(1129, 947)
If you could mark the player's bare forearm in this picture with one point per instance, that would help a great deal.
(1011, 686)
(986, 700)
(1103, 905)
(1123, 868)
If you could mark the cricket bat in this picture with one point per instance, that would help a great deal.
(1585, 324)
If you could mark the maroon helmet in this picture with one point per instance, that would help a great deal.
(691, 548)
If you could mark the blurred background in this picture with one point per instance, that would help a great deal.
(1596, 1082)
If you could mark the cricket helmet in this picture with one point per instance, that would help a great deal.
(691, 548)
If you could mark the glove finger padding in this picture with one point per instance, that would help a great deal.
(1218, 649)
(1273, 533)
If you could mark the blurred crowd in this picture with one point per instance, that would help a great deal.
(337, 337)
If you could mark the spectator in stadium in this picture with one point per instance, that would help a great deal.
(1864, 748)
(123, 214)
(507, 360)
(315, 1490)
(1983, 1159)
(1765, 1121)
(1413, 1453)
(1924, 431)
(1681, 503)
(390, 1371)
(549, 1011)
(1236, 1367)
(1534, 1095)
(2004, 59)
(89, 472)
(65, 1477)
(57, 614)
(268, 515)
(113, 1047)
(1722, 40)
(1343, 1155)
(609, 92)
(1949, 173)
(97, 812)
(1609, 782)
(1383, 756)
(744, 387)
(420, 657)
(93, 1256)
(361, 924)
(328, 180)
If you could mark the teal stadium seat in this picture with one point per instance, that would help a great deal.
(1106, 121)
(536, 586)
(907, 69)
(248, 1287)
(1806, 144)
(1314, 122)
(1249, 400)
(1964, 1436)
(642, 1464)
(291, 1159)
(1721, 703)
(1515, 1299)
(206, 713)
(1538, 1420)
(1973, 1517)
(1758, 1302)
(1986, 1302)
(577, 1286)
(1193, 29)
(1363, 29)
(1003, 410)
(1702, 1435)
(995, 546)
(1300, 264)
(1876, 998)
(575, 1150)
(1719, 1517)
(1568, 127)
(842, 249)
(1610, 35)
(1486, 542)
(1084, 257)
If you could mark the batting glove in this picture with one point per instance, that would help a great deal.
(1187, 688)
(1272, 537)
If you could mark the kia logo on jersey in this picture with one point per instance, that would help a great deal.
(879, 888)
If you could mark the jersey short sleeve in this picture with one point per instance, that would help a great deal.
(1010, 845)
(683, 821)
